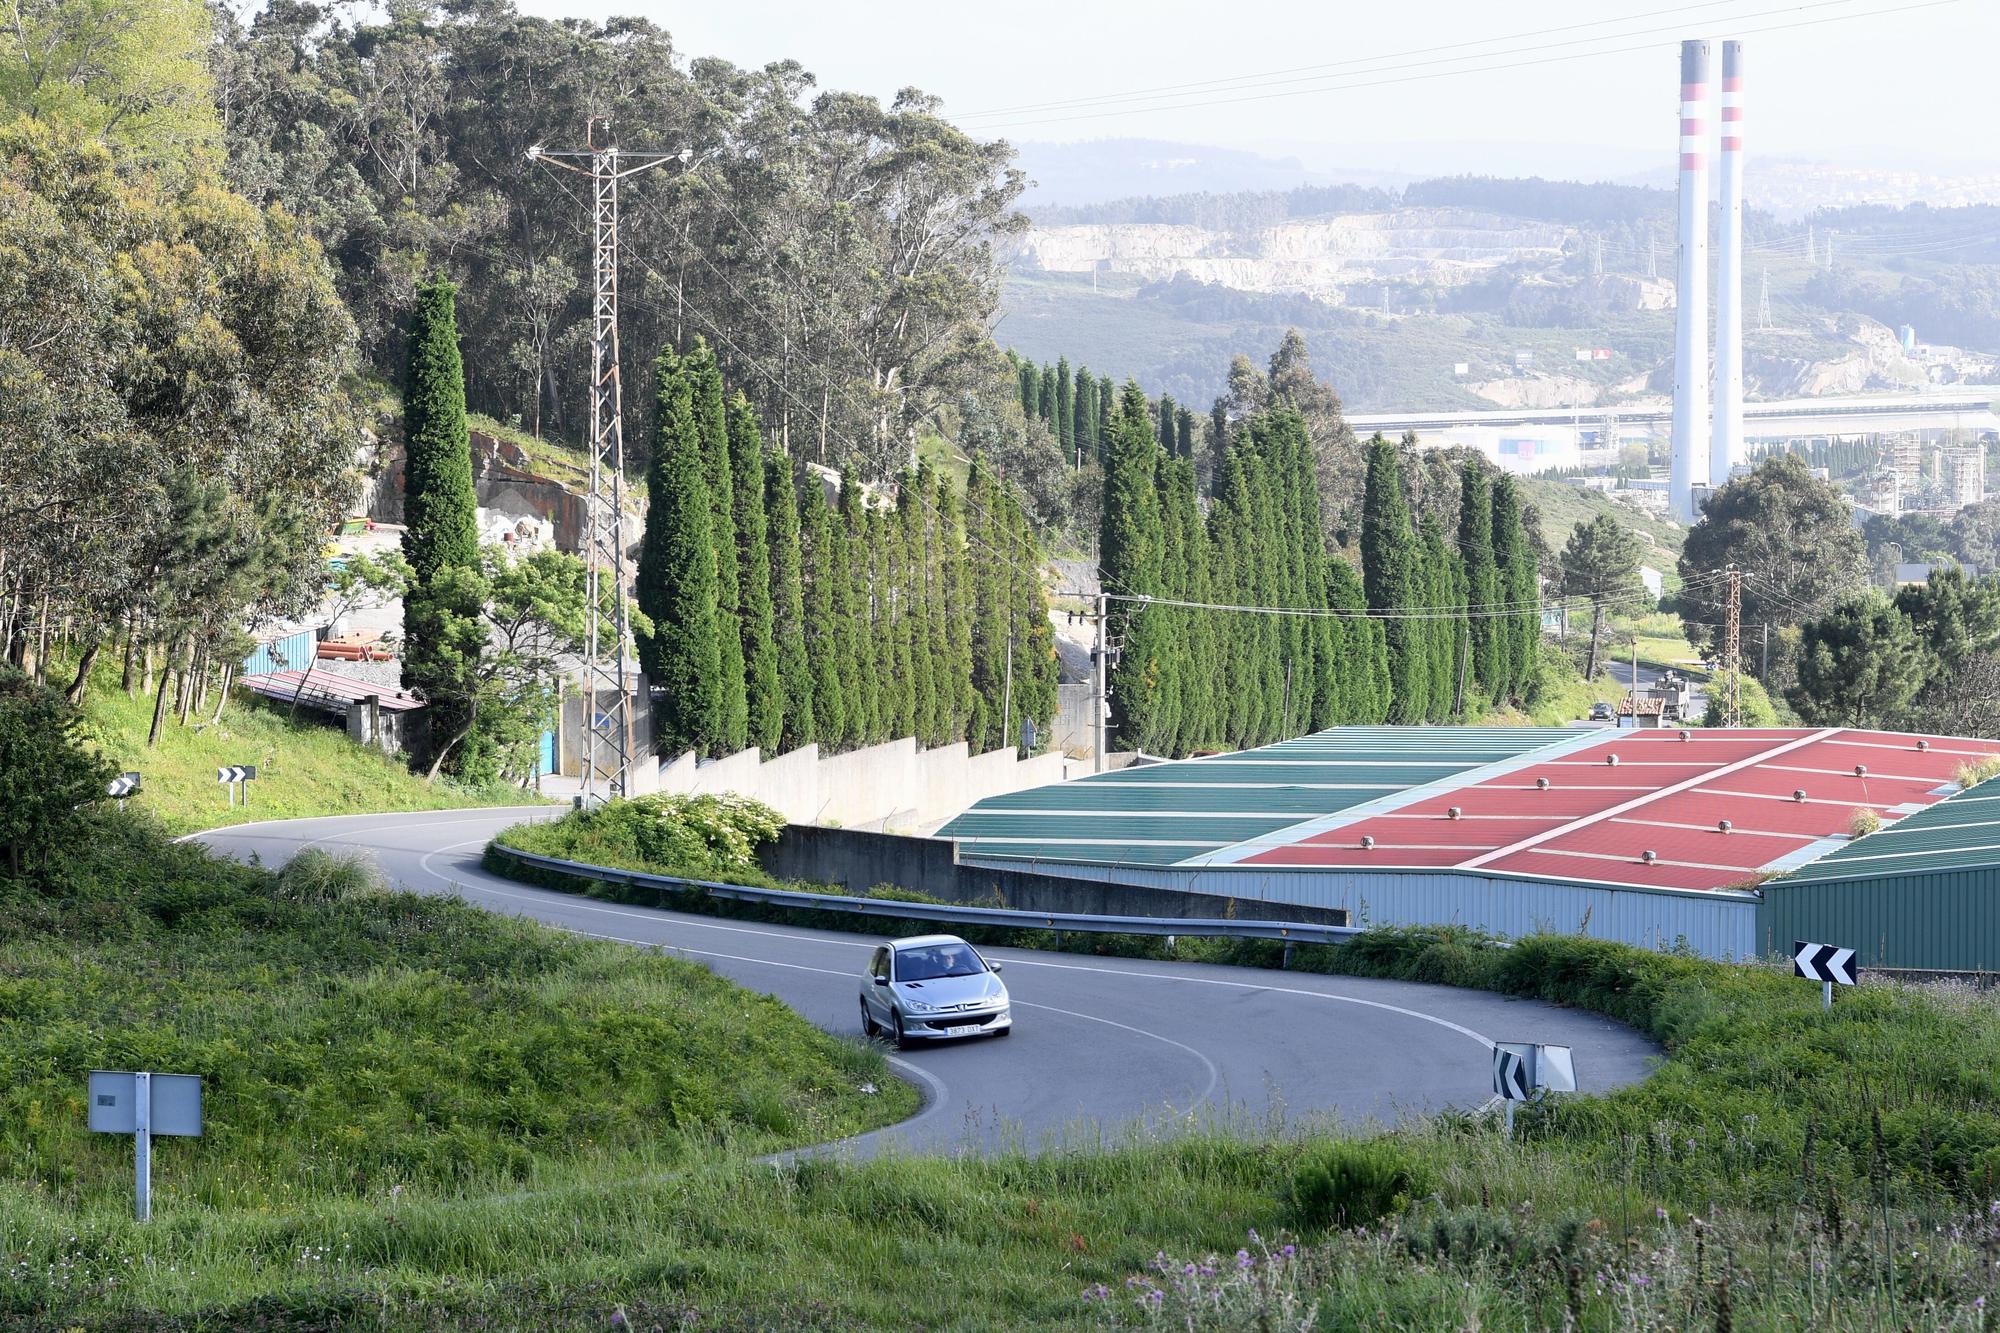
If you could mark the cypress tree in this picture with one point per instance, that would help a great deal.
(788, 606)
(676, 576)
(1065, 427)
(1184, 433)
(825, 641)
(440, 511)
(712, 418)
(1165, 429)
(988, 631)
(763, 692)
(954, 602)
(1031, 390)
(1084, 428)
(1129, 558)
(1441, 649)
(1232, 553)
(857, 666)
(1035, 663)
(1388, 574)
(897, 631)
(1518, 634)
(1482, 573)
(1520, 589)
(1045, 401)
(1107, 405)
(439, 507)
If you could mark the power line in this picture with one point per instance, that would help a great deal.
(1500, 67)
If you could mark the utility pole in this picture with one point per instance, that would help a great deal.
(608, 751)
(1732, 651)
(1103, 650)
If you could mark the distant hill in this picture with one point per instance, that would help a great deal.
(1098, 171)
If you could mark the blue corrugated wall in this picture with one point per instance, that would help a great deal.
(293, 652)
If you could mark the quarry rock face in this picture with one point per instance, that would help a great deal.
(1312, 256)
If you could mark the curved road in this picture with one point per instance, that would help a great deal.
(1100, 1045)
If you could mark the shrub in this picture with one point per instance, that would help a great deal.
(46, 775)
(1863, 822)
(705, 837)
(1354, 1182)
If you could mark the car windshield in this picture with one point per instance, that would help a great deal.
(928, 962)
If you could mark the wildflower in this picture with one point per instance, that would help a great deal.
(1660, 1213)
(1289, 1251)
(1243, 1259)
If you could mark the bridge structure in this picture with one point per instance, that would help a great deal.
(1961, 407)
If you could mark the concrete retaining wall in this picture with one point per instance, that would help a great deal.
(858, 861)
(894, 785)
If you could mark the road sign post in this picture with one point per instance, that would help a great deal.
(1519, 1068)
(1828, 964)
(234, 776)
(143, 1104)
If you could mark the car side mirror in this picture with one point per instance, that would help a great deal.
(996, 967)
(881, 981)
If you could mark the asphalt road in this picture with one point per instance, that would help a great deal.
(1101, 1047)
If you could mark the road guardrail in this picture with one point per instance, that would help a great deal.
(1290, 932)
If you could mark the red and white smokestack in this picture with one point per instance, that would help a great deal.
(1690, 428)
(1726, 444)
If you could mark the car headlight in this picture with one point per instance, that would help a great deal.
(918, 1006)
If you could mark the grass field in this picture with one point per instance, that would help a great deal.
(304, 767)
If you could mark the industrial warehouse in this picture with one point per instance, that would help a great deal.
(1729, 842)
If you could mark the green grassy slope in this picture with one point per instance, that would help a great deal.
(304, 767)
(388, 1059)
(1563, 506)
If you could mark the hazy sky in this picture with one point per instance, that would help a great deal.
(1872, 82)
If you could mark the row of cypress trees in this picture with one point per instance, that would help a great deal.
(1435, 628)
(781, 618)
(1077, 409)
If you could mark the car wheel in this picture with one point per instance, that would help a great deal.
(867, 1021)
(902, 1042)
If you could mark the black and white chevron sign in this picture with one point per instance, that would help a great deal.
(237, 773)
(122, 786)
(1823, 962)
(1510, 1075)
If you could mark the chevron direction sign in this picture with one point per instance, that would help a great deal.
(1512, 1071)
(237, 773)
(1823, 962)
(122, 786)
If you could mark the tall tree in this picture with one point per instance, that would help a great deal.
(1083, 429)
(1859, 666)
(677, 572)
(764, 692)
(1046, 398)
(1388, 573)
(1065, 422)
(788, 606)
(1129, 556)
(1520, 592)
(1601, 565)
(440, 510)
(825, 628)
(712, 418)
(1482, 571)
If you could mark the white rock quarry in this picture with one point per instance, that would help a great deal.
(1314, 256)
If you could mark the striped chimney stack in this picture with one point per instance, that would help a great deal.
(1726, 444)
(1690, 427)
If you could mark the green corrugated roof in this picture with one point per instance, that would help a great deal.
(1961, 832)
(1159, 814)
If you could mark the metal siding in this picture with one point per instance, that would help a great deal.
(1714, 925)
(1938, 921)
(293, 652)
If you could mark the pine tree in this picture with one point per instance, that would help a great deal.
(825, 640)
(788, 606)
(1475, 545)
(439, 507)
(712, 418)
(1388, 573)
(1065, 425)
(676, 576)
(763, 692)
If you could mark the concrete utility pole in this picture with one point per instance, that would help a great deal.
(1102, 706)
(608, 752)
(1732, 651)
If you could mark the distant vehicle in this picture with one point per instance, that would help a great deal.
(1602, 712)
(932, 987)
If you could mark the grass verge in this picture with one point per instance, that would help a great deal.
(305, 766)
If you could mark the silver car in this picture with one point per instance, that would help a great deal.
(932, 986)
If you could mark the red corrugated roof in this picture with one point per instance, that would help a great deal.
(1666, 794)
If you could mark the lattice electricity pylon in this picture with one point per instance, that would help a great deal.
(608, 758)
